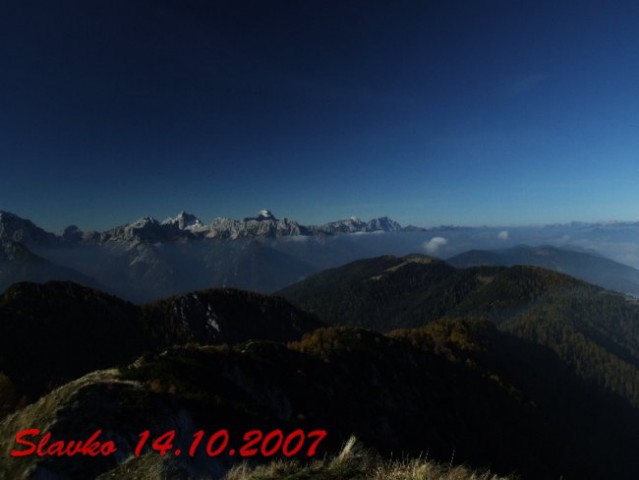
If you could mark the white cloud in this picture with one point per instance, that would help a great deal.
(434, 244)
(503, 235)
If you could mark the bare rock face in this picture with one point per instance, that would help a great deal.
(16, 229)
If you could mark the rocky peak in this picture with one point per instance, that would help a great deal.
(17, 229)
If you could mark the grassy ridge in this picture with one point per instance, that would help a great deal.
(352, 463)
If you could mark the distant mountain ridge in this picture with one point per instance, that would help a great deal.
(17, 229)
(586, 266)
(594, 331)
(186, 226)
(149, 259)
(19, 264)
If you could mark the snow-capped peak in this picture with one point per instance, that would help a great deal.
(184, 221)
(262, 215)
(265, 215)
(144, 221)
(356, 225)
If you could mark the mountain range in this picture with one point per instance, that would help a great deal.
(186, 226)
(518, 369)
(149, 259)
(592, 330)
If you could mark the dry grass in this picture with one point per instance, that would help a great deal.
(355, 463)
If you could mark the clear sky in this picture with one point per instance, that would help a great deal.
(431, 112)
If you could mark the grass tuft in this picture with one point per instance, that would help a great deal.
(356, 463)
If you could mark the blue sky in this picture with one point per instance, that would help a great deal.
(432, 112)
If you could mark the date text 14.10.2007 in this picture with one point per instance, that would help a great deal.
(253, 443)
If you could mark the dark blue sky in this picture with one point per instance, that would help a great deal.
(477, 112)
